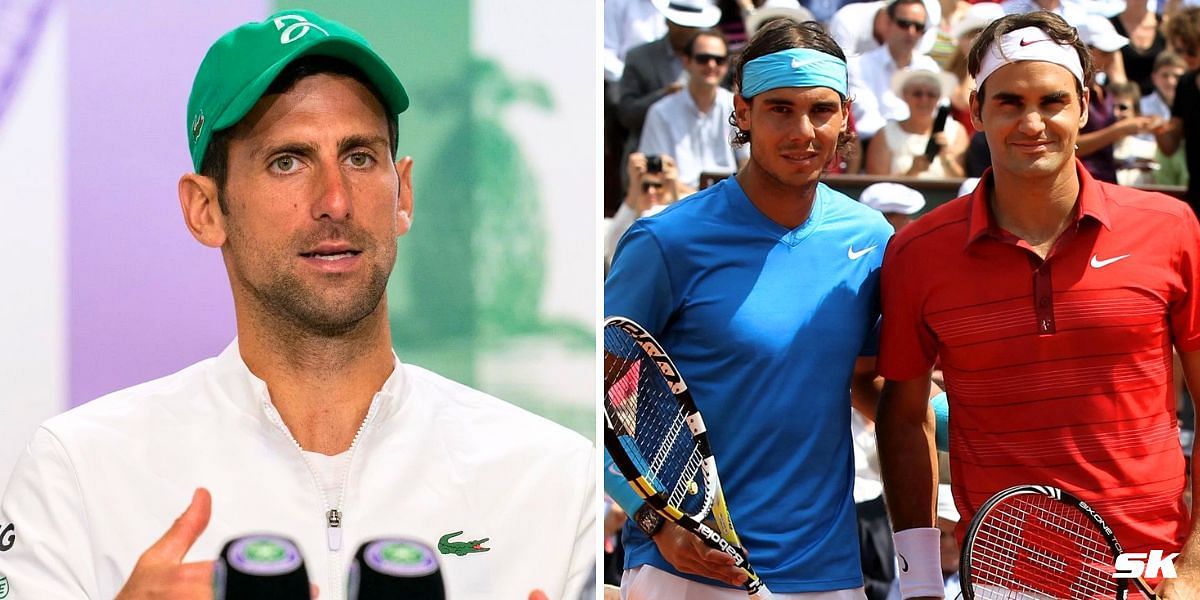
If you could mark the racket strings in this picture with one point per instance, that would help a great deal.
(1032, 546)
(645, 412)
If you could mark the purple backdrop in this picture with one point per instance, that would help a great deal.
(145, 298)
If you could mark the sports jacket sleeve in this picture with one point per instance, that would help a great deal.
(50, 557)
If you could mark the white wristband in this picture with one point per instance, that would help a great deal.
(919, 553)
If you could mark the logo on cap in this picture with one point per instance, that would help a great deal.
(301, 25)
(197, 125)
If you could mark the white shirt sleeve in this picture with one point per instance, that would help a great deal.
(614, 63)
(868, 119)
(656, 135)
(50, 558)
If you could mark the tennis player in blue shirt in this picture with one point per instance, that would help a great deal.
(764, 290)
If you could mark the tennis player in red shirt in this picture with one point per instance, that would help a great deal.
(1053, 301)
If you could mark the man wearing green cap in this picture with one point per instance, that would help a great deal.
(307, 425)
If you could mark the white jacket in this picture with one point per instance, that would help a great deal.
(100, 483)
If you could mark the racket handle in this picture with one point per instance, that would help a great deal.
(1144, 588)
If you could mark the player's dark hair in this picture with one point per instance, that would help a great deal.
(715, 33)
(776, 36)
(1054, 26)
(216, 158)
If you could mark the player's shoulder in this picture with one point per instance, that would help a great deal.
(494, 425)
(944, 224)
(840, 206)
(1143, 205)
(132, 409)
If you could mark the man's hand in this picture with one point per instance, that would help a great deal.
(161, 572)
(1185, 586)
(687, 553)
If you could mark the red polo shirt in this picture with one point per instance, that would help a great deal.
(1058, 372)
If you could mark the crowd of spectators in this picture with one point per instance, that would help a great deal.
(668, 93)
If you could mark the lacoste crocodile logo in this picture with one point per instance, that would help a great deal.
(445, 546)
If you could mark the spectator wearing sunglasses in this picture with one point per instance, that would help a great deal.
(1133, 154)
(871, 74)
(900, 148)
(860, 27)
(693, 124)
(653, 185)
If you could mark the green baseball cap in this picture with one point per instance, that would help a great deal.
(241, 65)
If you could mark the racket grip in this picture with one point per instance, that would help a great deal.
(1144, 588)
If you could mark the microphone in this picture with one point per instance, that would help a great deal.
(389, 568)
(266, 567)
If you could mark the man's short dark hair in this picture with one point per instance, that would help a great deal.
(776, 36)
(689, 50)
(216, 158)
(892, 7)
(1054, 26)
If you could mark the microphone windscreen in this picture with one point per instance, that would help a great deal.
(264, 567)
(390, 568)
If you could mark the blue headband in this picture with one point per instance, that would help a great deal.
(795, 67)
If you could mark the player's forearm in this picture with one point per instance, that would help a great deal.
(907, 455)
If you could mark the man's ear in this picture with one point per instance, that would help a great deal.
(741, 112)
(201, 209)
(404, 205)
(976, 109)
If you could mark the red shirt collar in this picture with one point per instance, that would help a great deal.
(1093, 202)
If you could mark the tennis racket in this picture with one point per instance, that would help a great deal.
(1036, 542)
(657, 439)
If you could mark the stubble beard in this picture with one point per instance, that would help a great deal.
(294, 305)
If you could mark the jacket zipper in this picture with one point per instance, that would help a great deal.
(333, 513)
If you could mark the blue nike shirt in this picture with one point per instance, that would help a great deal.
(765, 325)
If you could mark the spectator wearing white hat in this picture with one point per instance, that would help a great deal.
(1103, 129)
(655, 69)
(871, 73)
(903, 146)
(898, 203)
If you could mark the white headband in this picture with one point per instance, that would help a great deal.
(1030, 43)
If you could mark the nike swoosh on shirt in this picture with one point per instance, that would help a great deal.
(855, 255)
(1098, 264)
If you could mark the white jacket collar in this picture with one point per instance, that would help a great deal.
(248, 390)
